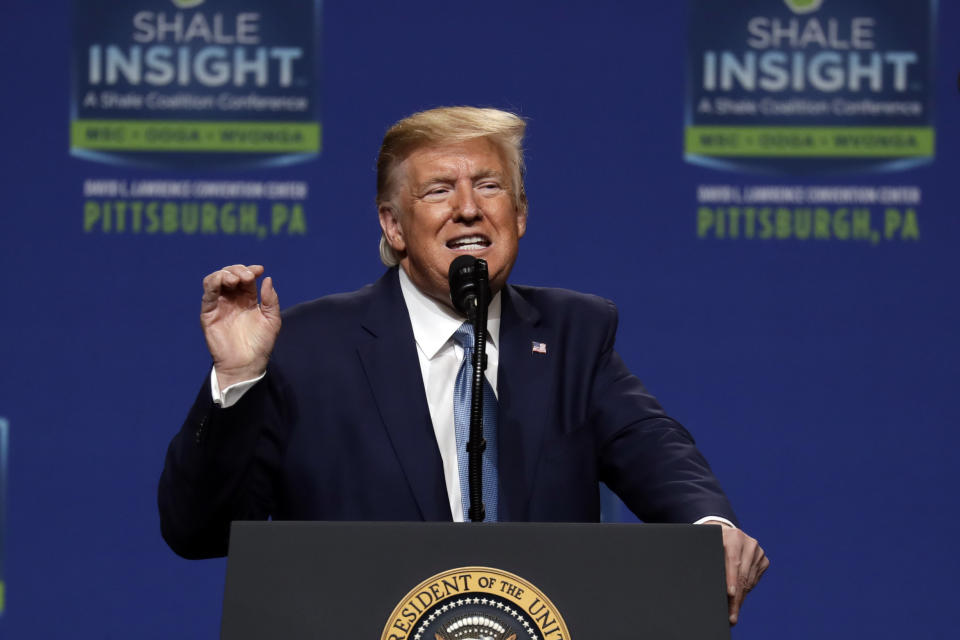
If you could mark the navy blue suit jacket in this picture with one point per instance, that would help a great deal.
(340, 429)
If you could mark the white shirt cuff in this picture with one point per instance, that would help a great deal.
(232, 394)
(717, 520)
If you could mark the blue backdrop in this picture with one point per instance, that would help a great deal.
(817, 375)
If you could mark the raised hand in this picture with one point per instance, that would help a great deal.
(240, 333)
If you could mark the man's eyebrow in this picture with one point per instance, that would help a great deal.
(437, 179)
(450, 178)
(487, 173)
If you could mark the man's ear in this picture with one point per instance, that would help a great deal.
(390, 224)
(521, 222)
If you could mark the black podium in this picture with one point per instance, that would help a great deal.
(440, 581)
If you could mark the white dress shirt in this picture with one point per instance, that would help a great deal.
(440, 356)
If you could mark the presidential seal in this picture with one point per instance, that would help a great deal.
(475, 603)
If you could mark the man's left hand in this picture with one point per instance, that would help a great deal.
(745, 562)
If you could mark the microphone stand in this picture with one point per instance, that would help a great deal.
(477, 444)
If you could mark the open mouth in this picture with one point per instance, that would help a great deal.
(469, 243)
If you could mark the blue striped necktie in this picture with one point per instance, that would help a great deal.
(461, 419)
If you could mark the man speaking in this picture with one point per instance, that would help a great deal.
(356, 409)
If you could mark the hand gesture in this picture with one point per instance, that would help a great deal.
(240, 333)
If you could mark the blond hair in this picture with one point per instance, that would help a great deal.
(449, 125)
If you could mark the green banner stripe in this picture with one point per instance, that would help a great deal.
(834, 142)
(187, 135)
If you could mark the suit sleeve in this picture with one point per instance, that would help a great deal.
(647, 458)
(222, 466)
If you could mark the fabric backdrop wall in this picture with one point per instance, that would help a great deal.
(813, 355)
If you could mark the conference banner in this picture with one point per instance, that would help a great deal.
(810, 85)
(195, 85)
(810, 88)
(202, 82)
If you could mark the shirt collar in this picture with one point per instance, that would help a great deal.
(434, 323)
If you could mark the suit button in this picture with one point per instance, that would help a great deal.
(198, 436)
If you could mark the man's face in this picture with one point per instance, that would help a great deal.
(454, 199)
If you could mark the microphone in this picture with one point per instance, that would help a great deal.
(470, 293)
(463, 286)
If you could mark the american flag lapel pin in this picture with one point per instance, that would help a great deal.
(539, 347)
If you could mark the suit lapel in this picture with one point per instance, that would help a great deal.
(392, 367)
(523, 382)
